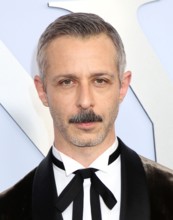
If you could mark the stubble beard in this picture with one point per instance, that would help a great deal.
(79, 138)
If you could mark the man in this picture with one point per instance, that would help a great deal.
(89, 173)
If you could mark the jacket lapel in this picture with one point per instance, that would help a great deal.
(135, 203)
(134, 192)
(44, 192)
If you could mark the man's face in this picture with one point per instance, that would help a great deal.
(82, 90)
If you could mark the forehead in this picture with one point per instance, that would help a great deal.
(81, 56)
(72, 45)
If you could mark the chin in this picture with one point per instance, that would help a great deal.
(87, 143)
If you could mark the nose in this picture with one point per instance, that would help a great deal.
(85, 99)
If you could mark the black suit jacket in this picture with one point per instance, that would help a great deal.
(147, 192)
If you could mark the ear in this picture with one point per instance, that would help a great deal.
(125, 82)
(41, 90)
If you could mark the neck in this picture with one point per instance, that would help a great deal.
(84, 155)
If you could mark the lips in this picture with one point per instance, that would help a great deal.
(86, 125)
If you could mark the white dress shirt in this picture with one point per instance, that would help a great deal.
(108, 174)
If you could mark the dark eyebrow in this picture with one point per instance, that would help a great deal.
(64, 76)
(111, 75)
(74, 76)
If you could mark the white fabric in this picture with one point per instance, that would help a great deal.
(108, 174)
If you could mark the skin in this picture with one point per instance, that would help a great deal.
(82, 76)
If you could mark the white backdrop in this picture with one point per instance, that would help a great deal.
(21, 141)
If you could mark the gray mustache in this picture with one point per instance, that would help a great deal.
(85, 117)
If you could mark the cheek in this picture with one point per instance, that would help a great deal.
(61, 107)
(108, 107)
(111, 99)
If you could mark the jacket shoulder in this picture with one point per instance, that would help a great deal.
(16, 201)
(160, 185)
(155, 171)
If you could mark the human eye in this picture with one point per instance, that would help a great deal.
(100, 82)
(66, 82)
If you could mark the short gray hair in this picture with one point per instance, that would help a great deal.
(79, 25)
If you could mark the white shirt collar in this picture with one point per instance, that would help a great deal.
(72, 165)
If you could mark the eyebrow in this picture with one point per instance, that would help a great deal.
(63, 76)
(73, 75)
(112, 75)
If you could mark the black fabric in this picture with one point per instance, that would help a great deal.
(44, 192)
(16, 203)
(160, 184)
(135, 202)
(74, 192)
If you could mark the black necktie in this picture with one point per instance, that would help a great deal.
(74, 192)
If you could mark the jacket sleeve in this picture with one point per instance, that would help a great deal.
(160, 186)
(16, 202)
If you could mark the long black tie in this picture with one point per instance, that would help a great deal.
(74, 192)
